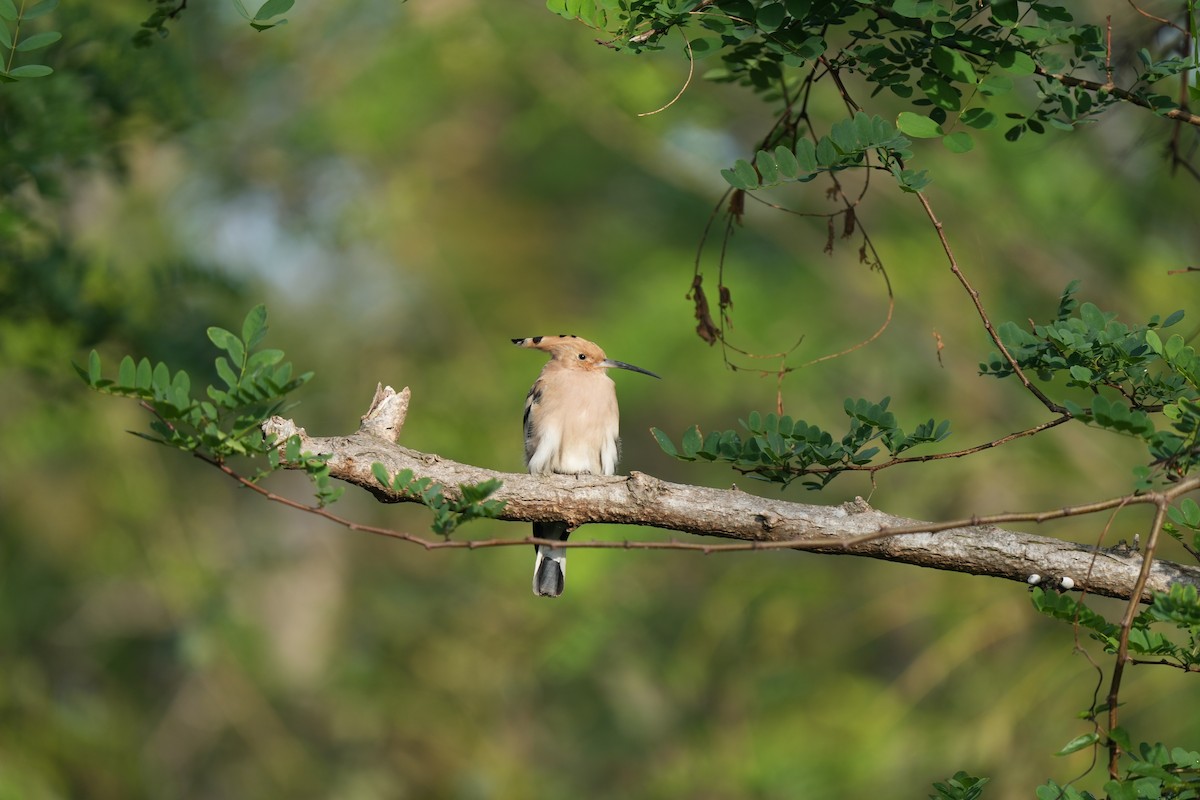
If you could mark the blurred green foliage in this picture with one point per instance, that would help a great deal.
(409, 186)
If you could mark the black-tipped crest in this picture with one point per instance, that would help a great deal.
(569, 349)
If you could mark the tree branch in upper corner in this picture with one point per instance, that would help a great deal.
(757, 522)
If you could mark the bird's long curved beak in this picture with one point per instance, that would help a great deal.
(611, 364)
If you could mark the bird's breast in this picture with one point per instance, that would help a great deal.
(575, 424)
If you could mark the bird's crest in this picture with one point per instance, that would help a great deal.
(566, 348)
(572, 352)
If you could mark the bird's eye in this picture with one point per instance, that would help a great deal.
(583, 356)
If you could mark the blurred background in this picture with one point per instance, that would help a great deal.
(408, 186)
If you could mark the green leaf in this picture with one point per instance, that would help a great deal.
(263, 358)
(943, 30)
(38, 41)
(1173, 318)
(273, 8)
(144, 375)
(1188, 759)
(1078, 743)
(1191, 512)
(993, 85)
(798, 9)
(912, 180)
(954, 64)
(1016, 62)
(474, 494)
(746, 174)
(1120, 736)
(41, 9)
(806, 155)
(227, 341)
(665, 443)
(31, 71)
(1092, 316)
(1154, 342)
(978, 118)
(786, 161)
(914, 9)
(827, 152)
(291, 448)
(241, 9)
(958, 142)
(381, 474)
(401, 480)
(941, 92)
(162, 379)
(917, 126)
(1004, 12)
(181, 386)
(767, 167)
(8, 10)
(770, 17)
(254, 327)
(1173, 347)
(93, 372)
(127, 373)
(226, 373)
(692, 440)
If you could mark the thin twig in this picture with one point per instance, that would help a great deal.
(686, 83)
(1122, 656)
(987, 323)
(1108, 70)
(1159, 20)
(1160, 499)
(1178, 114)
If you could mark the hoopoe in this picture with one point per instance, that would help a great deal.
(570, 428)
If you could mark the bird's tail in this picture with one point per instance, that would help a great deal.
(550, 568)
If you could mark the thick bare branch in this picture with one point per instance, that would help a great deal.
(757, 522)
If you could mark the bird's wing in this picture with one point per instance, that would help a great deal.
(531, 434)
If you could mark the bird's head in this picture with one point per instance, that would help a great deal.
(572, 352)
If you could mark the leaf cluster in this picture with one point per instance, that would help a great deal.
(781, 449)
(951, 61)
(13, 42)
(1180, 608)
(448, 512)
(1130, 373)
(960, 787)
(1151, 771)
(1154, 770)
(315, 466)
(848, 144)
(225, 421)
